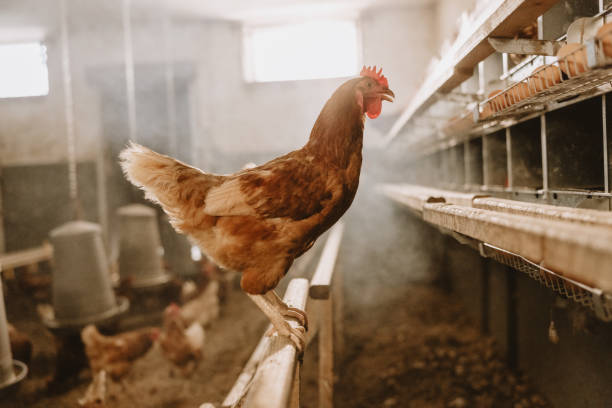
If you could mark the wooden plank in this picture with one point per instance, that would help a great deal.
(322, 278)
(545, 211)
(411, 196)
(513, 233)
(579, 251)
(294, 402)
(503, 18)
(338, 307)
(273, 382)
(582, 253)
(526, 46)
(326, 354)
(26, 257)
(416, 196)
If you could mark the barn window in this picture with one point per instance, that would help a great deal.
(317, 49)
(23, 70)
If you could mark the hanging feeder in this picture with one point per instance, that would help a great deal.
(11, 371)
(140, 249)
(81, 291)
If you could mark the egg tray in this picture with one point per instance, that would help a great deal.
(595, 299)
(598, 74)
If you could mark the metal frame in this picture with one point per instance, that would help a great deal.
(592, 298)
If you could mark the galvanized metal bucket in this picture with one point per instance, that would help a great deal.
(140, 249)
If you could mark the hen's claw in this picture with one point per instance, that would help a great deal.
(297, 335)
(297, 314)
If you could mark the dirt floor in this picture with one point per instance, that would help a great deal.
(416, 350)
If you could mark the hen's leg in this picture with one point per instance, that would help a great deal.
(287, 311)
(275, 314)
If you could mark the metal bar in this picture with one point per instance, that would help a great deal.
(509, 158)
(129, 68)
(170, 87)
(544, 154)
(604, 132)
(467, 179)
(481, 77)
(69, 111)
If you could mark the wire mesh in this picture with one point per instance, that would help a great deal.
(592, 298)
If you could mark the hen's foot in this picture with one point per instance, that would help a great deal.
(297, 335)
(297, 314)
(287, 311)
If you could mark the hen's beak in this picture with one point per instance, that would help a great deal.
(387, 94)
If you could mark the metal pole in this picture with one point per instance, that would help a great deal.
(69, 111)
(129, 68)
(509, 158)
(605, 143)
(170, 88)
(544, 154)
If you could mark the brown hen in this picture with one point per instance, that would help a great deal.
(257, 221)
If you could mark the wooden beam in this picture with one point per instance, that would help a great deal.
(326, 354)
(322, 278)
(511, 232)
(574, 250)
(503, 18)
(416, 196)
(273, 382)
(12, 260)
(545, 211)
(525, 46)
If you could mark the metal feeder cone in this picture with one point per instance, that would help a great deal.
(11, 371)
(140, 249)
(82, 290)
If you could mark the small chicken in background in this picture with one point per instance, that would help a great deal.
(181, 343)
(21, 345)
(257, 221)
(115, 354)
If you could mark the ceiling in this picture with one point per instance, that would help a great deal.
(22, 20)
(257, 11)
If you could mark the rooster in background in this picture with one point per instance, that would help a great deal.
(257, 221)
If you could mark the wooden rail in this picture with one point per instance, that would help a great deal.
(271, 376)
(326, 305)
(417, 196)
(27, 257)
(575, 243)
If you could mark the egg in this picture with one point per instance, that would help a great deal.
(604, 35)
(572, 59)
(500, 102)
(486, 111)
(519, 92)
(544, 77)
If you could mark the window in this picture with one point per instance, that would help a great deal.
(23, 70)
(318, 49)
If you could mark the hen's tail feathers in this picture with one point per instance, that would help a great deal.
(180, 189)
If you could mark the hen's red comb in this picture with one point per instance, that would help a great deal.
(371, 72)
